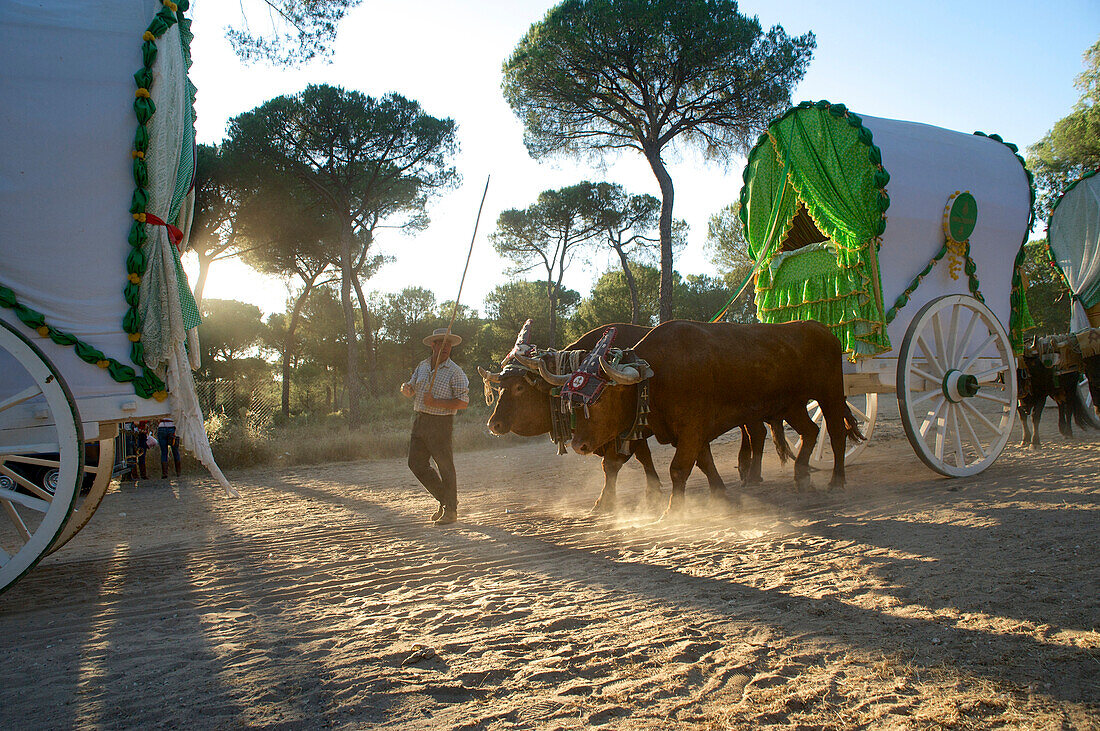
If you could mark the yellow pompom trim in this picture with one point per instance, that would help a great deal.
(137, 154)
(142, 92)
(170, 5)
(147, 36)
(134, 337)
(160, 395)
(140, 217)
(43, 331)
(134, 278)
(103, 363)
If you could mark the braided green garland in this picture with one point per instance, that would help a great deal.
(969, 267)
(148, 384)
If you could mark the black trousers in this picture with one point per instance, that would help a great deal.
(431, 438)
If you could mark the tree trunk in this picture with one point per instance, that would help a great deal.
(351, 385)
(635, 315)
(551, 301)
(200, 281)
(368, 340)
(290, 326)
(665, 227)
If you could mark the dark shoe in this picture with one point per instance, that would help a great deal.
(450, 515)
(438, 514)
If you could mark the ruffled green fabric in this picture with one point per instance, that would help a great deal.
(821, 156)
(835, 297)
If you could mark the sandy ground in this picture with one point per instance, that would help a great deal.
(324, 598)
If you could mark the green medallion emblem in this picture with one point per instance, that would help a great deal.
(961, 217)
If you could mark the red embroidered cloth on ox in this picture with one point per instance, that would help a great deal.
(586, 384)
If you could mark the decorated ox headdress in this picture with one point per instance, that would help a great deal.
(510, 364)
(586, 383)
(523, 346)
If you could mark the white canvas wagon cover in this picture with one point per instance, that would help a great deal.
(846, 216)
(1073, 235)
(97, 119)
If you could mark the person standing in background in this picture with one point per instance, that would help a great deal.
(166, 436)
(433, 425)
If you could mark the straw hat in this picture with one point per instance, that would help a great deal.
(439, 334)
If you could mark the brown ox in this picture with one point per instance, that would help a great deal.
(523, 406)
(710, 377)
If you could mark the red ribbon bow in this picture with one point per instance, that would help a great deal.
(174, 234)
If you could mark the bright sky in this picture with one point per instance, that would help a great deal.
(1005, 67)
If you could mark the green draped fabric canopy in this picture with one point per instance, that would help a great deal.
(820, 157)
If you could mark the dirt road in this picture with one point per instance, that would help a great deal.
(325, 598)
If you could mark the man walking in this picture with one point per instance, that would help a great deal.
(434, 422)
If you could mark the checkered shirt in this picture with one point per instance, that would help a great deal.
(450, 382)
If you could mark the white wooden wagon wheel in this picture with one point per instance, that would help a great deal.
(864, 407)
(80, 516)
(32, 517)
(956, 385)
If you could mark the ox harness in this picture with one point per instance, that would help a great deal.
(585, 386)
(1065, 354)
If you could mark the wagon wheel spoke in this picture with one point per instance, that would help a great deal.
(925, 374)
(931, 358)
(819, 448)
(940, 342)
(930, 418)
(980, 416)
(25, 395)
(973, 435)
(952, 335)
(986, 396)
(975, 353)
(26, 484)
(988, 376)
(926, 395)
(964, 341)
(17, 522)
(956, 434)
(940, 435)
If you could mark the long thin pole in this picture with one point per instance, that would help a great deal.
(462, 283)
(454, 310)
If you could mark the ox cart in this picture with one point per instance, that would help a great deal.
(97, 325)
(905, 240)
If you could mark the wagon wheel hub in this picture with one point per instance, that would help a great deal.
(958, 386)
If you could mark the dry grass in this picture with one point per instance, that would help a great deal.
(384, 435)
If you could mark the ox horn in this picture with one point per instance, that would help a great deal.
(622, 375)
(552, 378)
(488, 375)
(532, 363)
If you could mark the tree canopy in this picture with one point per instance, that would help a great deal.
(365, 160)
(287, 32)
(728, 249)
(548, 235)
(604, 75)
(1072, 147)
